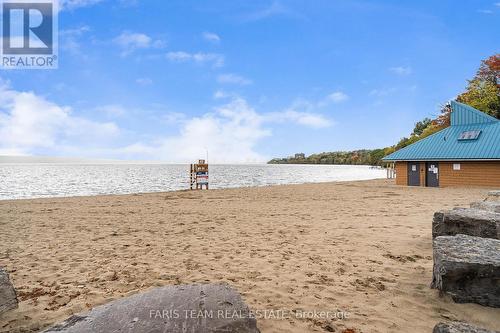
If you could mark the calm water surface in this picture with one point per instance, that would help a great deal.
(38, 180)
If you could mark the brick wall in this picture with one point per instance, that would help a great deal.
(401, 173)
(470, 174)
(486, 174)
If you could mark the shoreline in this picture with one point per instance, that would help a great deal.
(189, 190)
(362, 247)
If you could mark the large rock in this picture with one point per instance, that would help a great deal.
(458, 327)
(184, 308)
(490, 206)
(468, 269)
(8, 298)
(494, 195)
(466, 221)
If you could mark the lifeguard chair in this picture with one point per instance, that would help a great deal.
(199, 175)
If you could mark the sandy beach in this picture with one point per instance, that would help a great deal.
(363, 248)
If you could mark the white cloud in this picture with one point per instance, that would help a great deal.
(73, 4)
(302, 113)
(70, 39)
(11, 152)
(174, 117)
(382, 92)
(220, 94)
(497, 4)
(129, 3)
(337, 97)
(179, 56)
(388, 91)
(75, 31)
(144, 81)
(308, 119)
(233, 79)
(217, 60)
(401, 70)
(211, 37)
(29, 122)
(112, 110)
(274, 9)
(137, 149)
(131, 41)
(230, 133)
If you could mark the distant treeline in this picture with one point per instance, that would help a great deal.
(482, 93)
(357, 157)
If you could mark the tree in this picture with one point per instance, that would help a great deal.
(376, 156)
(421, 126)
(483, 91)
(490, 69)
(482, 95)
(443, 120)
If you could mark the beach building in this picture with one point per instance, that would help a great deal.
(467, 153)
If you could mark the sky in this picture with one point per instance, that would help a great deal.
(245, 80)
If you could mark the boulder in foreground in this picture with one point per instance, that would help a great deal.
(494, 195)
(459, 327)
(182, 308)
(466, 221)
(8, 298)
(468, 269)
(491, 206)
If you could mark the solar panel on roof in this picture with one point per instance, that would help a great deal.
(469, 135)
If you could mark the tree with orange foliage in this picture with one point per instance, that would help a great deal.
(490, 70)
(483, 91)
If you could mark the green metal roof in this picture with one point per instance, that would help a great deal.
(445, 144)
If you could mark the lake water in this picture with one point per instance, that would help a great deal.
(38, 180)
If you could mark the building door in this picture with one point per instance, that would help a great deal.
(432, 174)
(413, 174)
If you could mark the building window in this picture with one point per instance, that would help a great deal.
(456, 166)
(469, 135)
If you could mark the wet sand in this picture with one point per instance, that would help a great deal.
(363, 248)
